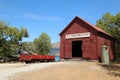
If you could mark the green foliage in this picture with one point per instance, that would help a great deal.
(111, 24)
(43, 44)
(29, 47)
(10, 38)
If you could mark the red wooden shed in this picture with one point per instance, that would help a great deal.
(83, 40)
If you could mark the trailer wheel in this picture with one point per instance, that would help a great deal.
(27, 62)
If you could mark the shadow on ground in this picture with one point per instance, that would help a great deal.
(113, 69)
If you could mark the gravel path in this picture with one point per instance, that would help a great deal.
(73, 70)
(8, 71)
(68, 70)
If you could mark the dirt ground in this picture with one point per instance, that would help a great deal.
(72, 70)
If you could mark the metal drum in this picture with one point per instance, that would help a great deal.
(105, 54)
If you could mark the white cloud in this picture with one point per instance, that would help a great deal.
(14, 12)
(31, 16)
(38, 17)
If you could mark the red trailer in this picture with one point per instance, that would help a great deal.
(28, 58)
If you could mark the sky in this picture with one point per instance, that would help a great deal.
(52, 16)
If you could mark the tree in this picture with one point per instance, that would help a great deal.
(111, 24)
(10, 38)
(29, 47)
(43, 44)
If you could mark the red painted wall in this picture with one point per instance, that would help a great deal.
(91, 46)
(88, 44)
(109, 42)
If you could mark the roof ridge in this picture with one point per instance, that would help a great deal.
(95, 27)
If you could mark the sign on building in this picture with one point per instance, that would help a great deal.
(78, 35)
